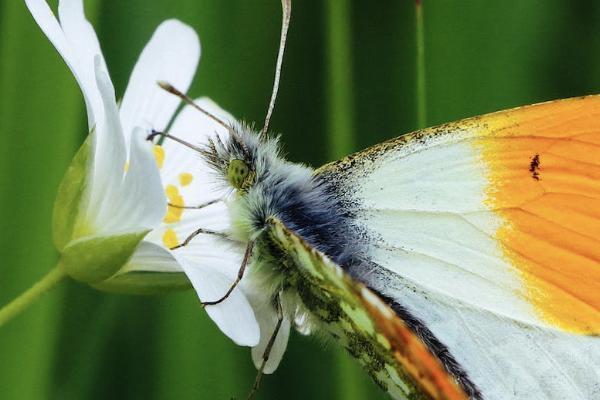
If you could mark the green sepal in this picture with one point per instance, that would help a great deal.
(145, 283)
(70, 195)
(96, 258)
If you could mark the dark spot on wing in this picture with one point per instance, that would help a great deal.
(534, 167)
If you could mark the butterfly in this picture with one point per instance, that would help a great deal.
(460, 261)
(456, 262)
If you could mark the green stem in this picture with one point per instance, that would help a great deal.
(421, 95)
(20, 303)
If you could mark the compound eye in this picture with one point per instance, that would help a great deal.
(237, 174)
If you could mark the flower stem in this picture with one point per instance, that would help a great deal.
(420, 37)
(20, 303)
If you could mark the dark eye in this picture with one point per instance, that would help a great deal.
(237, 174)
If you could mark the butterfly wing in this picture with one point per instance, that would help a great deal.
(487, 231)
(389, 350)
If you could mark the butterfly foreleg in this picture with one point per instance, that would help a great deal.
(198, 207)
(196, 233)
(239, 277)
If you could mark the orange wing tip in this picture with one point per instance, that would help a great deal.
(425, 369)
(543, 168)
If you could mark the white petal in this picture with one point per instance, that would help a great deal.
(150, 257)
(142, 201)
(79, 32)
(109, 158)
(84, 44)
(171, 55)
(194, 127)
(78, 58)
(267, 320)
(223, 255)
(233, 316)
(213, 218)
(46, 20)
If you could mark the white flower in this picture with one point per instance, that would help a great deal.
(112, 224)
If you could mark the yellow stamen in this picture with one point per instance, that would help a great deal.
(185, 178)
(170, 238)
(173, 213)
(159, 155)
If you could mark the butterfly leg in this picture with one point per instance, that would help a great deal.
(269, 347)
(154, 133)
(240, 275)
(198, 207)
(196, 233)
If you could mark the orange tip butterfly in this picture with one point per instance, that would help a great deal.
(456, 262)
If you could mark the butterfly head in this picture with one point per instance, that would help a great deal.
(239, 174)
(242, 158)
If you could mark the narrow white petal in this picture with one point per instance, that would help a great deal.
(84, 44)
(142, 201)
(267, 320)
(171, 55)
(150, 257)
(109, 158)
(46, 20)
(233, 316)
(80, 62)
(78, 31)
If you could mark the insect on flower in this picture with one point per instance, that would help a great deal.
(455, 262)
(460, 261)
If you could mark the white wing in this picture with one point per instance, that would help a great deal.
(487, 232)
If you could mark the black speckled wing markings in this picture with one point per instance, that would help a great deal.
(394, 356)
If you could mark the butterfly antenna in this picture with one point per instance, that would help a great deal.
(185, 98)
(154, 134)
(286, 6)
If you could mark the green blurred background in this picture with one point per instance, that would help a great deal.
(348, 82)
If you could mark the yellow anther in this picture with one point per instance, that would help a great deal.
(172, 191)
(170, 239)
(173, 213)
(159, 155)
(185, 178)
